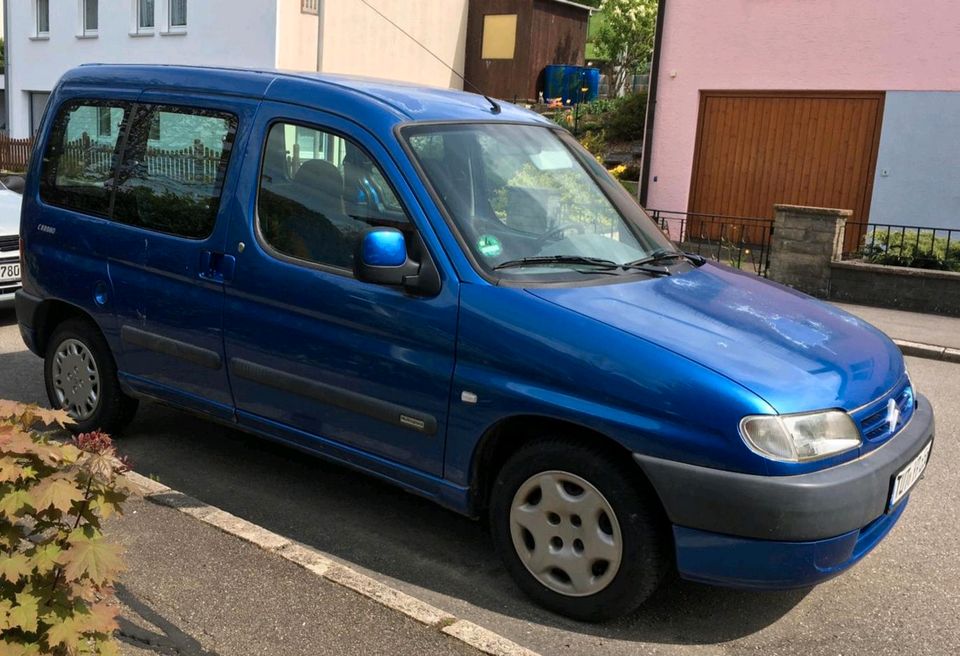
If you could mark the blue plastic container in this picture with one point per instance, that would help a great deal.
(568, 82)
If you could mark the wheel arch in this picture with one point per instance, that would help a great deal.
(50, 314)
(510, 434)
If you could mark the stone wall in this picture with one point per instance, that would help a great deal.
(901, 288)
(805, 253)
(805, 241)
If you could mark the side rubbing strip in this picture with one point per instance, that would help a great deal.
(384, 411)
(182, 350)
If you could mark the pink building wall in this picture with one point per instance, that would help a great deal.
(870, 45)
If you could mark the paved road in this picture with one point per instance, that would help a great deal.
(911, 326)
(903, 599)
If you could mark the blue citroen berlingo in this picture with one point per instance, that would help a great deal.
(450, 294)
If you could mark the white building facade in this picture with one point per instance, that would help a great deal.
(45, 38)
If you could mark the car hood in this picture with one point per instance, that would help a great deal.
(795, 352)
(9, 213)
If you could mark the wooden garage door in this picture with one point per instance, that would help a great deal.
(755, 149)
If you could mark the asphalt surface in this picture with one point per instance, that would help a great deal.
(902, 599)
(911, 326)
(191, 590)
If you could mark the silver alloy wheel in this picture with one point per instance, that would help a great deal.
(566, 533)
(76, 379)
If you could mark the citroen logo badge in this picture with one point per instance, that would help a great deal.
(893, 415)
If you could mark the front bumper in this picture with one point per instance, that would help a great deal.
(784, 531)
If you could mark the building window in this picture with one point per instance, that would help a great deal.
(104, 122)
(43, 17)
(90, 15)
(499, 36)
(145, 17)
(155, 127)
(38, 104)
(309, 6)
(178, 15)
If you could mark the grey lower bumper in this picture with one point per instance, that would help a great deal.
(27, 306)
(811, 506)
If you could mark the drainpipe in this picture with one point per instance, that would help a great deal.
(652, 104)
(6, 46)
(319, 35)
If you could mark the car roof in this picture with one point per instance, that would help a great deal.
(394, 102)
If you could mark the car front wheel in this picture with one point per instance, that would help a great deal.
(577, 530)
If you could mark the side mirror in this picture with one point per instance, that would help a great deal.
(382, 259)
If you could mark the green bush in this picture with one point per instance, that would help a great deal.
(594, 142)
(56, 569)
(625, 118)
(905, 249)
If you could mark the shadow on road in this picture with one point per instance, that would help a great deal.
(402, 536)
(383, 529)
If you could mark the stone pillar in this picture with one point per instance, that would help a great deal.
(804, 242)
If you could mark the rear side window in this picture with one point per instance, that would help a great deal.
(81, 156)
(153, 166)
(173, 169)
(318, 193)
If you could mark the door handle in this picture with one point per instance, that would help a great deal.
(216, 267)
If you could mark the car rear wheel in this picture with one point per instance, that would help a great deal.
(579, 532)
(81, 377)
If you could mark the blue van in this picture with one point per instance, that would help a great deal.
(451, 294)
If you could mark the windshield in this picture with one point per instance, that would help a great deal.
(529, 202)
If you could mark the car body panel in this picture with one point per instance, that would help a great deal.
(11, 204)
(797, 353)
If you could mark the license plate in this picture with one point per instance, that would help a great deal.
(9, 271)
(909, 475)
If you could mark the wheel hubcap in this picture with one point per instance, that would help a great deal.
(76, 379)
(566, 533)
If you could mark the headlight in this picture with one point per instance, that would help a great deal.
(910, 382)
(798, 438)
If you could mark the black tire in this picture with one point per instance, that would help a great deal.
(646, 555)
(114, 409)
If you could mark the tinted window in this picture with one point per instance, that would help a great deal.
(318, 192)
(173, 168)
(78, 165)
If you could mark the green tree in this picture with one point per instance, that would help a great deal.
(625, 36)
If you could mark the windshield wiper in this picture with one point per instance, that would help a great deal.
(546, 260)
(664, 255)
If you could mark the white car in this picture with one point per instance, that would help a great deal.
(9, 245)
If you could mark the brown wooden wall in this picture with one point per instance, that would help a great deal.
(547, 33)
(755, 149)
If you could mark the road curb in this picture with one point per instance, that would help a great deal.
(326, 567)
(928, 351)
(485, 640)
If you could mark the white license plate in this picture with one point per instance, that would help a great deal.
(9, 271)
(909, 475)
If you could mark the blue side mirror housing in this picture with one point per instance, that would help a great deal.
(382, 258)
(383, 247)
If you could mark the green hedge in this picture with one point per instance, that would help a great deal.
(906, 249)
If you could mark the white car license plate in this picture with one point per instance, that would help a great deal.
(906, 477)
(9, 271)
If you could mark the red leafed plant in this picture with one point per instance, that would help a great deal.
(56, 568)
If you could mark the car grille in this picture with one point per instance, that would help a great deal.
(873, 419)
(8, 244)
